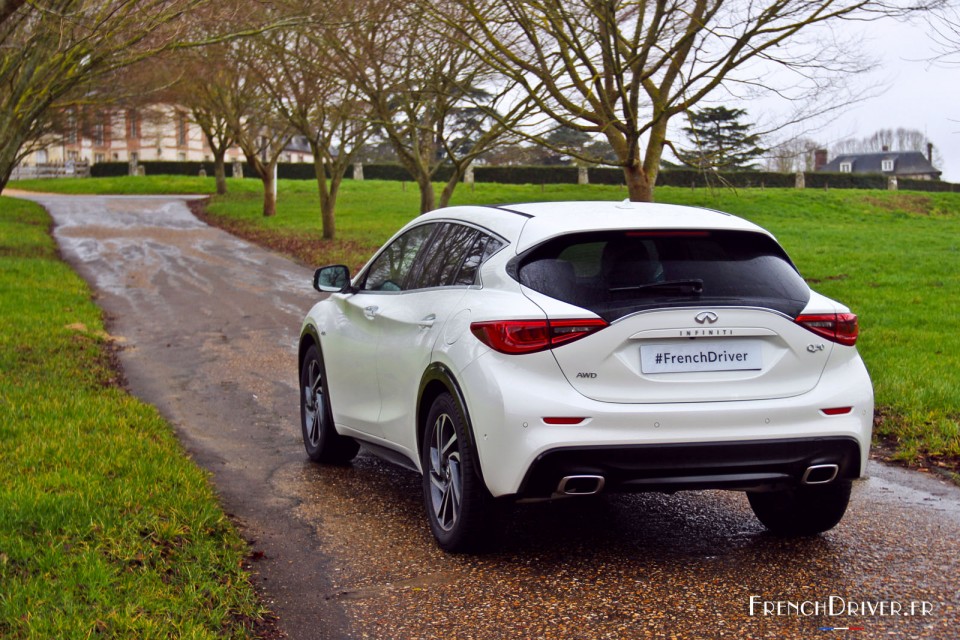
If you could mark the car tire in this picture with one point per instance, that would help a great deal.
(458, 505)
(804, 510)
(320, 438)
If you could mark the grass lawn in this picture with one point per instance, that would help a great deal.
(893, 257)
(106, 528)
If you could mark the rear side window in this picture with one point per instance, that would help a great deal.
(483, 247)
(441, 261)
(431, 255)
(617, 273)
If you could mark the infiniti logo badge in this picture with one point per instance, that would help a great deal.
(707, 317)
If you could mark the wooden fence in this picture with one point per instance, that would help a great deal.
(69, 169)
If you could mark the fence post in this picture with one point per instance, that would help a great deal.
(358, 171)
(892, 183)
(801, 181)
(583, 177)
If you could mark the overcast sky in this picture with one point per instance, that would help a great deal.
(920, 95)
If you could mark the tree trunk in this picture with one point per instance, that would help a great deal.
(328, 196)
(9, 151)
(264, 171)
(639, 186)
(427, 195)
(269, 198)
(220, 170)
(269, 195)
(449, 188)
(327, 207)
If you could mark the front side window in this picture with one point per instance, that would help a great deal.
(617, 273)
(391, 269)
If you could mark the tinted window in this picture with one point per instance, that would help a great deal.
(391, 269)
(440, 262)
(617, 273)
(483, 247)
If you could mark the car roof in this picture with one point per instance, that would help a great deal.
(531, 223)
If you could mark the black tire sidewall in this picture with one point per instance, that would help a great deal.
(802, 510)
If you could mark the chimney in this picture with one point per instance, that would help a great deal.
(819, 159)
(885, 148)
(930, 153)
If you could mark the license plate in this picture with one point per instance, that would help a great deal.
(696, 355)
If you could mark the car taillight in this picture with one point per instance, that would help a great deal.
(527, 336)
(842, 328)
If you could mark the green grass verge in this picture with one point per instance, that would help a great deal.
(106, 528)
(894, 258)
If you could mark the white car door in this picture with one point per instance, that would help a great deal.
(411, 323)
(351, 359)
(351, 362)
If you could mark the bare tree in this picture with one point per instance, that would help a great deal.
(625, 68)
(60, 53)
(944, 23)
(795, 154)
(51, 51)
(204, 85)
(258, 128)
(317, 103)
(430, 96)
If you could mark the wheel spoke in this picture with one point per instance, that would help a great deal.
(450, 443)
(438, 429)
(308, 399)
(313, 431)
(442, 509)
(314, 377)
(456, 481)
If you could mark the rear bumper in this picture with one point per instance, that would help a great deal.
(753, 465)
(510, 406)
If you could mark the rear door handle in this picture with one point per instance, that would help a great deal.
(370, 312)
(427, 321)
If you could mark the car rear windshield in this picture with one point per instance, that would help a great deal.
(618, 273)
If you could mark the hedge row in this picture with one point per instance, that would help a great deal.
(555, 175)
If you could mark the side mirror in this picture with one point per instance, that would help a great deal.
(332, 279)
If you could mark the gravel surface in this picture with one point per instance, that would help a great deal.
(209, 326)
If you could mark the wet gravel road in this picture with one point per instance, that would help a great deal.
(209, 325)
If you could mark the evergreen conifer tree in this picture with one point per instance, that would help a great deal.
(720, 140)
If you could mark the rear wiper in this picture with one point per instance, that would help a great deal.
(675, 286)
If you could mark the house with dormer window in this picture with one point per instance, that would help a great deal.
(901, 164)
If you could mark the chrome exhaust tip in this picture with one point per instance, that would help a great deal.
(580, 485)
(820, 474)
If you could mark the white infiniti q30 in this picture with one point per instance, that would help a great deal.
(535, 351)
